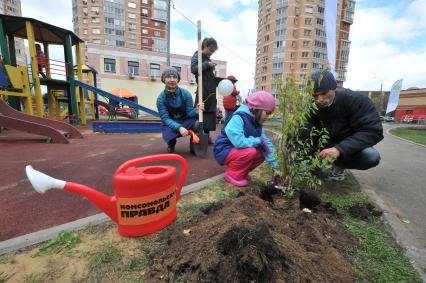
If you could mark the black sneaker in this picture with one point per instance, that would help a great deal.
(171, 149)
(337, 173)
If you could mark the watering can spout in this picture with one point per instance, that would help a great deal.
(42, 183)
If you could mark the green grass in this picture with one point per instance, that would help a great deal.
(377, 258)
(64, 241)
(414, 134)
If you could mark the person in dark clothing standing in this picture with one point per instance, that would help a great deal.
(208, 47)
(176, 109)
(353, 124)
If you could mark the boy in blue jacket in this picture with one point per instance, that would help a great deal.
(242, 144)
(175, 106)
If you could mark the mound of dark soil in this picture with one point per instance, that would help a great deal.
(364, 211)
(248, 239)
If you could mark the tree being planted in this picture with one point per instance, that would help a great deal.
(298, 146)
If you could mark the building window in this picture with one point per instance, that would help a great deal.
(144, 41)
(144, 1)
(131, 5)
(305, 54)
(85, 21)
(144, 12)
(305, 43)
(96, 31)
(85, 31)
(85, 10)
(132, 36)
(303, 66)
(154, 70)
(132, 26)
(131, 15)
(157, 33)
(156, 24)
(109, 65)
(309, 9)
(96, 41)
(95, 20)
(144, 21)
(133, 67)
(119, 43)
(293, 55)
(308, 21)
(132, 46)
(306, 32)
(144, 31)
(95, 10)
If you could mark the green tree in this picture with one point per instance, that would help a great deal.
(298, 157)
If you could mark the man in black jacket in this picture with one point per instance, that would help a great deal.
(353, 124)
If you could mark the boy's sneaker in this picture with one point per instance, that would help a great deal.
(337, 173)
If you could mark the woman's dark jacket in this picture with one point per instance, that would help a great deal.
(209, 82)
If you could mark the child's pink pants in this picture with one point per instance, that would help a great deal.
(242, 161)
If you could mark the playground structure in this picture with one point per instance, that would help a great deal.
(70, 88)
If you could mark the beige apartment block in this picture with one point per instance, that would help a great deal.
(291, 39)
(134, 24)
(13, 8)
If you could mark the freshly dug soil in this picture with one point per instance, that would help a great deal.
(364, 211)
(250, 239)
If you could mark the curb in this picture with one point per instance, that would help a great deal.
(30, 239)
(392, 135)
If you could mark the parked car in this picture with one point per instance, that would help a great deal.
(389, 119)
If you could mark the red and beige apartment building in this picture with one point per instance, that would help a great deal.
(135, 24)
(291, 39)
(13, 8)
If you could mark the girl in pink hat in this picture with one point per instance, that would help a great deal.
(242, 144)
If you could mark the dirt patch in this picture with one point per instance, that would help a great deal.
(364, 211)
(256, 238)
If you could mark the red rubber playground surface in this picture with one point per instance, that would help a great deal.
(91, 161)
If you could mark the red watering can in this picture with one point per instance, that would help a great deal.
(145, 197)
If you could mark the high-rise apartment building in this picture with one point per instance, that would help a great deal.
(13, 7)
(136, 24)
(291, 39)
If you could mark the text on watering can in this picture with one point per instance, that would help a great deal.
(137, 211)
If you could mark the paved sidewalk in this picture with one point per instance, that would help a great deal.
(398, 185)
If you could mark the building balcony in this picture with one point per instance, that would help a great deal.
(348, 17)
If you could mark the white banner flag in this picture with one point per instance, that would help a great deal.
(330, 17)
(394, 96)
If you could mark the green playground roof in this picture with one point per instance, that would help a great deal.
(43, 32)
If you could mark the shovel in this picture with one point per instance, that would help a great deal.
(200, 148)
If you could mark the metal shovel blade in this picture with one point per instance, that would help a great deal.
(200, 149)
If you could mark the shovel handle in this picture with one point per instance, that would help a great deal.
(159, 157)
(200, 71)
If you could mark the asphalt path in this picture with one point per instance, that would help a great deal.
(398, 185)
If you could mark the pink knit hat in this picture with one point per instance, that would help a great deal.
(262, 100)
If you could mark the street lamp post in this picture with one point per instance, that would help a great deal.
(381, 96)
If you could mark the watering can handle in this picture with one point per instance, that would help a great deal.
(158, 157)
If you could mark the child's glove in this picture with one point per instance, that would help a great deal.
(264, 146)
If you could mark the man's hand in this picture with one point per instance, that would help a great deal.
(200, 106)
(212, 64)
(183, 131)
(333, 153)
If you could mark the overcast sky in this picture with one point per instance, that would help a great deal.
(388, 37)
